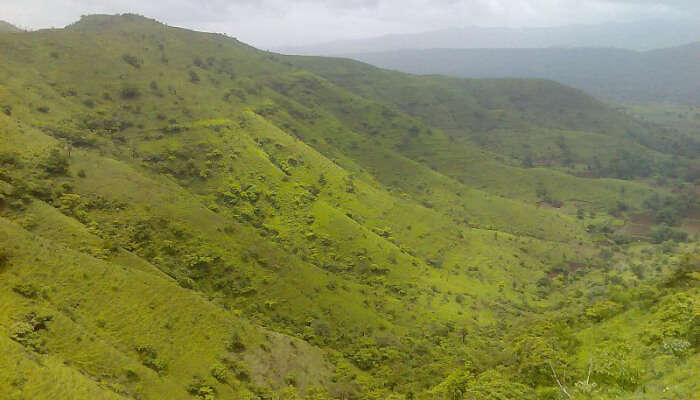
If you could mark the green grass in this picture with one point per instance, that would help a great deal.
(349, 241)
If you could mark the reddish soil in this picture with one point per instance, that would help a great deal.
(638, 224)
(692, 223)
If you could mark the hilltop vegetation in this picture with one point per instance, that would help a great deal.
(183, 216)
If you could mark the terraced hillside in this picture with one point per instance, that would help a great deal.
(184, 216)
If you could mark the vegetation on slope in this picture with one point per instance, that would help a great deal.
(7, 27)
(184, 216)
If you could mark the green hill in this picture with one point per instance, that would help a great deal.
(185, 216)
(8, 27)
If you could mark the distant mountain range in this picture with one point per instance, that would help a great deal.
(665, 75)
(642, 35)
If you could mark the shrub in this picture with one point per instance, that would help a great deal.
(218, 371)
(201, 389)
(4, 257)
(130, 93)
(603, 310)
(132, 60)
(27, 332)
(237, 368)
(149, 358)
(194, 77)
(676, 347)
(43, 109)
(236, 344)
(7, 110)
(614, 366)
(662, 233)
(27, 290)
(621, 238)
(198, 62)
(56, 163)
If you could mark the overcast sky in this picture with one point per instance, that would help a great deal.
(277, 23)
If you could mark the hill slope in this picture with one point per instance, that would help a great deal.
(8, 27)
(184, 216)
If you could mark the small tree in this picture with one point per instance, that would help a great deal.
(132, 60)
(56, 163)
(4, 257)
(130, 93)
(194, 78)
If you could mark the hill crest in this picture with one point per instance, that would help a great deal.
(104, 21)
(8, 27)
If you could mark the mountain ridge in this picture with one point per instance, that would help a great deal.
(661, 75)
(630, 35)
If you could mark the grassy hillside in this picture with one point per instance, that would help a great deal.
(528, 122)
(185, 216)
(667, 75)
(8, 27)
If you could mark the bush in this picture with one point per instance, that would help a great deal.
(201, 389)
(615, 366)
(676, 347)
(603, 310)
(237, 368)
(198, 62)
(149, 358)
(218, 371)
(663, 233)
(132, 60)
(130, 93)
(27, 332)
(56, 163)
(4, 258)
(236, 344)
(27, 290)
(194, 77)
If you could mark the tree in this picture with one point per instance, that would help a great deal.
(56, 163)
(194, 77)
(132, 60)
